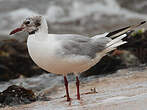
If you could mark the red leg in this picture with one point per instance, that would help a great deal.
(66, 87)
(77, 84)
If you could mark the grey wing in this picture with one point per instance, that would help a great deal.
(81, 45)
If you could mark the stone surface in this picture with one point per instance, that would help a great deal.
(124, 90)
(15, 95)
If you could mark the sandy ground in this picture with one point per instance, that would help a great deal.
(124, 90)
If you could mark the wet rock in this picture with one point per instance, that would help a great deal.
(15, 95)
(137, 45)
(127, 58)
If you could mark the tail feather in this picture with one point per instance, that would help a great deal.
(124, 30)
(118, 35)
(118, 39)
(118, 44)
(114, 46)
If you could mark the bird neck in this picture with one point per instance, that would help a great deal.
(43, 27)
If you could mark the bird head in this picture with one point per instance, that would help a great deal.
(31, 25)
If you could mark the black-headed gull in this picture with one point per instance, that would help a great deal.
(68, 53)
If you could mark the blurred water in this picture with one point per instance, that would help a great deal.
(72, 16)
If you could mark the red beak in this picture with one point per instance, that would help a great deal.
(16, 30)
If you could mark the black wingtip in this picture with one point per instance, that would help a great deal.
(142, 22)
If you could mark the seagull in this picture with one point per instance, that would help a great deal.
(68, 53)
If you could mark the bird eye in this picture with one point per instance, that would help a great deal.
(27, 22)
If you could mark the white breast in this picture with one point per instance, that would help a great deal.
(42, 52)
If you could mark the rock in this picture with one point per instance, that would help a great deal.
(137, 45)
(125, 90)
(15, 95)
(127, 58)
